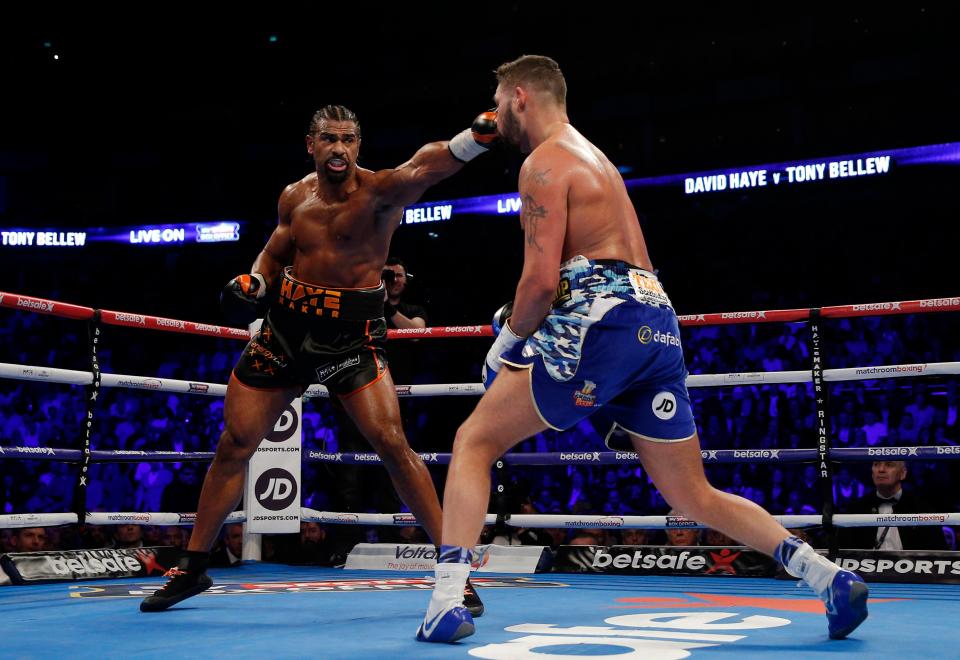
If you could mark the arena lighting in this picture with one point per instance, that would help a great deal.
(771, 175)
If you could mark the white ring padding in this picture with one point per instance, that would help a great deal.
(162, 519)
(539, 521)
(406, 391)
(391, 519)
(71, 377)
(677, 522)
(19, 520)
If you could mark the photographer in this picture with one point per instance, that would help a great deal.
(400, 314)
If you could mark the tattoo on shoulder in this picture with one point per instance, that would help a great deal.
(531, 213)
(539, 176)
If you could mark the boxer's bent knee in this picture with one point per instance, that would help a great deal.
(391, 444)
(236, 446)
(469, 442)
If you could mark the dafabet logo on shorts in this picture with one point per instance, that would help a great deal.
(645, 334)
(664, 405)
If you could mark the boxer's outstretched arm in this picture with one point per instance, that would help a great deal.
(278, 252)
(406, 184)
(436, 161)
(544, 186)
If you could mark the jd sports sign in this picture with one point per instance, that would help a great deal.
(272, 498)
(276, 489)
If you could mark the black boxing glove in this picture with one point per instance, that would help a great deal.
(471, 142)
(243, 299)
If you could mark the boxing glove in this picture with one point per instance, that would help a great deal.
(243, 299)
(473, 141)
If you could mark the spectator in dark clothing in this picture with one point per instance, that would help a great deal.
(890, 497)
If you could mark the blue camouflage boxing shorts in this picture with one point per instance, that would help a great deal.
(609, 345)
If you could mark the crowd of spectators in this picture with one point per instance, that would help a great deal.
(866, 413)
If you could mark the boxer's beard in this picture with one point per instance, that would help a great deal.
(511, 131)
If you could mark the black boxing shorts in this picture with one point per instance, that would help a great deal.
(317, 334)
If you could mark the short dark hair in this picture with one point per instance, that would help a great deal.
(394, 261)
(538, 71)
(333, 113)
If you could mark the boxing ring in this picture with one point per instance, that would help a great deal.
(295, 611)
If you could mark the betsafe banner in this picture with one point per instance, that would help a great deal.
(663, 560)
(100, 564)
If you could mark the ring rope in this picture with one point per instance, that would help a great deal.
(128, 319)
(539, 521)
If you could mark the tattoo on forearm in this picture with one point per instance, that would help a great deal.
(530, 216)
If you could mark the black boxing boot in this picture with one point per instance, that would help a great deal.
(472, 601)
(187, 579)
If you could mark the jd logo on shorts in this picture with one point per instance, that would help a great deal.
(275, 489)
(285, 426)
(664, 405)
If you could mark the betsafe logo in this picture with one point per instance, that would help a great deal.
(285, 427)
(275, 489)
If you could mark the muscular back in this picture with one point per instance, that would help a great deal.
(601, 220)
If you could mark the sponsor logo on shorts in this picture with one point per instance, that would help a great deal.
(645, 334)
(584, 397)
(664, 405)
(563, 294)
(328, 370)
(666, 338)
